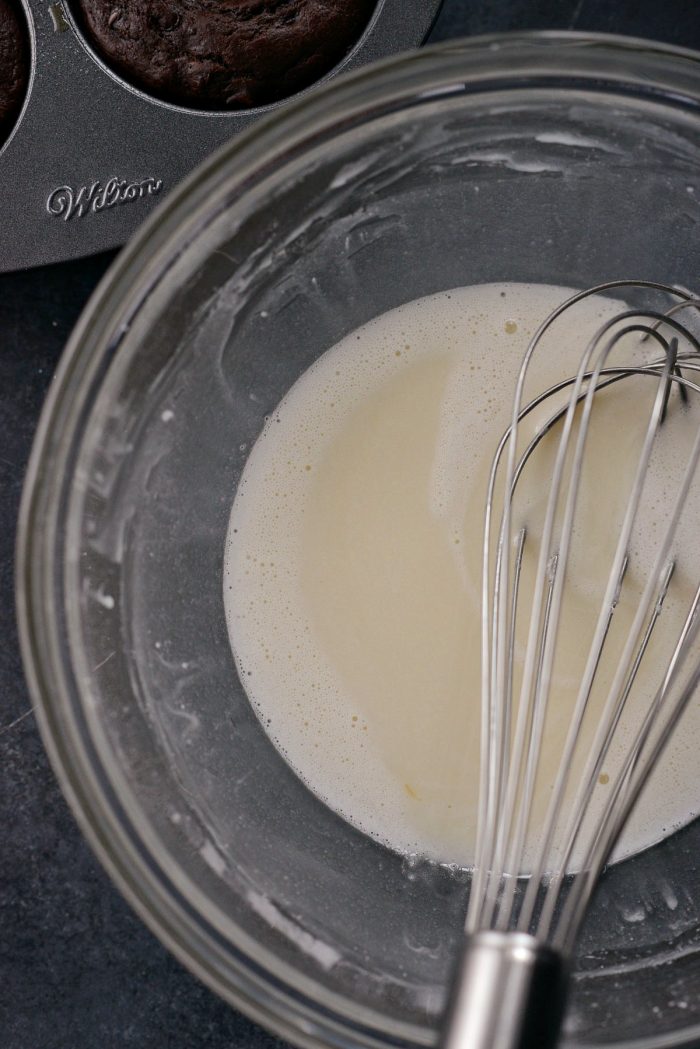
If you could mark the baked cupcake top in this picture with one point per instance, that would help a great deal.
(223, 54)
(14, 64)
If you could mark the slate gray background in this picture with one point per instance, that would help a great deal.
(77, 969)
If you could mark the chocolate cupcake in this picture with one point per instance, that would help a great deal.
(223, 54)
(14, 64)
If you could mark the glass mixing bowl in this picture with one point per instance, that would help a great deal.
(555, 158)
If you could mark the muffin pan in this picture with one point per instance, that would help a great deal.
(90, 155)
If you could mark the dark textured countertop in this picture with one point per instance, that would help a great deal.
(77, 969)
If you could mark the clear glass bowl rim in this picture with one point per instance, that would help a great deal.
(640, 68)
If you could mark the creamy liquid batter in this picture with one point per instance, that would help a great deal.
(352, 566)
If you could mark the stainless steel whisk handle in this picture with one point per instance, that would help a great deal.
(509, 993)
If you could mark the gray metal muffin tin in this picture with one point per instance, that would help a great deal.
(90, 156)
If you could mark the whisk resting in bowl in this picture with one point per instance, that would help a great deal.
(533, 877)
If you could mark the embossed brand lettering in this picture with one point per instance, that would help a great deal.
(66, 203)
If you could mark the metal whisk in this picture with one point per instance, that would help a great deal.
(525, 909)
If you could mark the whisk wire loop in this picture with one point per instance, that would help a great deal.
(511, 738)
(603, 623)
(533, 879)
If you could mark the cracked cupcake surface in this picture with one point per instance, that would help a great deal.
(223, 54)
(14, 65)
